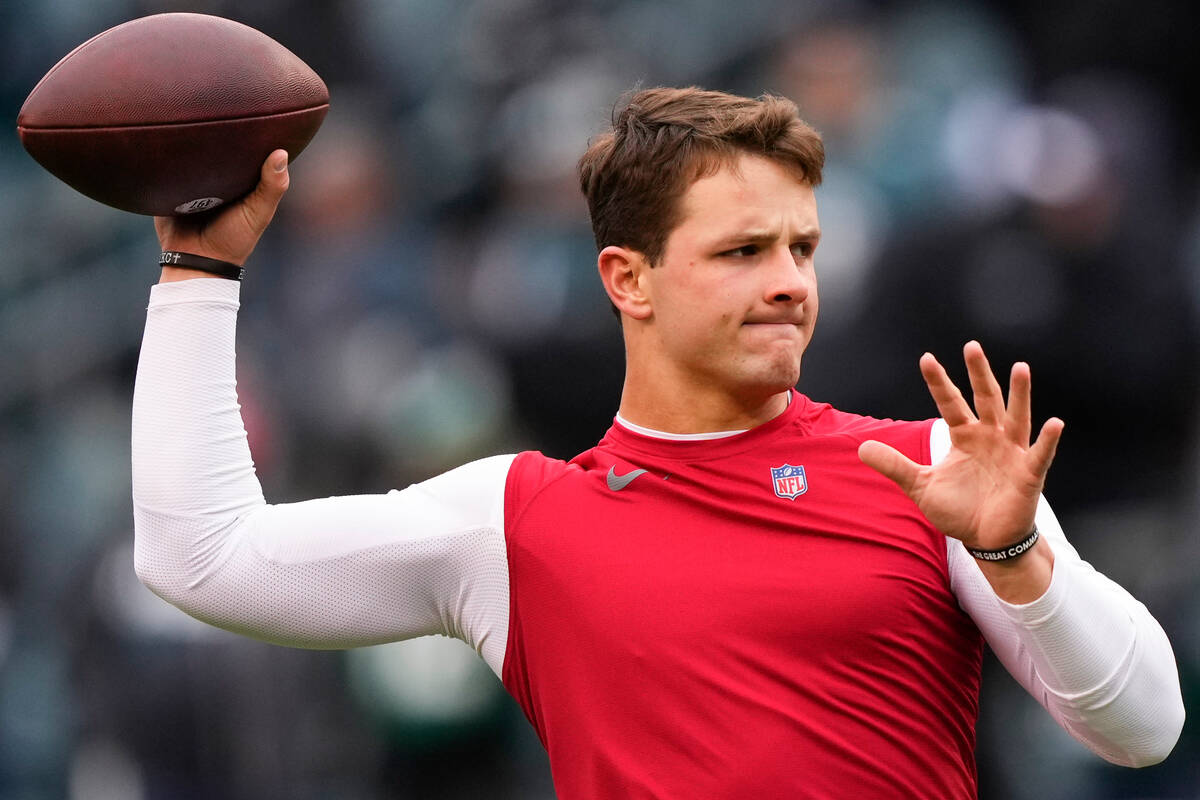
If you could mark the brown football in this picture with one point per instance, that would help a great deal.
(171, 113)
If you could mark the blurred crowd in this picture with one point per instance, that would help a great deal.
(1022, 173)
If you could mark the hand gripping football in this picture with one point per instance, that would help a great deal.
(171, 113)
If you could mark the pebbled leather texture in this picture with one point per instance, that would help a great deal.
(171, 113)
(198, 159)
(172, 68)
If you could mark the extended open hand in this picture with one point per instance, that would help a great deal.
(985, 491)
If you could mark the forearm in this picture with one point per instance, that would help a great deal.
(193, 475)
(1087, 651)
(190, 452)
(1102, 665)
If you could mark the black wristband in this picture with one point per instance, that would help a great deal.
(173, 258)
(1008, 553)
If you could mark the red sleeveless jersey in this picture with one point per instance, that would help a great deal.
(758, 616)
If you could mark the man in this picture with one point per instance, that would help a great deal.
(739, 592)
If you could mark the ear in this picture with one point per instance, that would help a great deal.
(622, 273)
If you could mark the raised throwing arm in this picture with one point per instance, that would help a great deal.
(333, 572)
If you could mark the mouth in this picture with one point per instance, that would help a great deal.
(775, 326)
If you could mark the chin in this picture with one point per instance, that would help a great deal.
(778, 378)
(785, 371)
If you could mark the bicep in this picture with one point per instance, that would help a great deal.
(351, 571)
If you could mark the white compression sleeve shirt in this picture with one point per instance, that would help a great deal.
(1089, 652)
(337, 572)
(348, 571)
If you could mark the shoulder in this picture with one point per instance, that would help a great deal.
(468, 496)
(531, 469)
(477, 474)
(530, 473)
(910, 437)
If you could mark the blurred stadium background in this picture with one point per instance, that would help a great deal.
(1023, 173)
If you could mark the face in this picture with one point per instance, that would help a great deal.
(733, 301)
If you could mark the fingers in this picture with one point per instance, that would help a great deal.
(274, 171)
(1043, 450)
(989, 399)
(891, 463)
(230, 233)
(1018, 421)
(1015, 417)
(950, 402)
(259, 206)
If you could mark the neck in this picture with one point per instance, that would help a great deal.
(698, 409)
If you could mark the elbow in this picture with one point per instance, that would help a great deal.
(1151, 713)
(142, 568)
(150, 570)
(160, 562)
(178, 557)
(1158, 740)
(1136, 720)
(1146, 742)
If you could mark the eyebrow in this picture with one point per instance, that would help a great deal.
(755, 235)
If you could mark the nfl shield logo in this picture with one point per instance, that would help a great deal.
(789, 481)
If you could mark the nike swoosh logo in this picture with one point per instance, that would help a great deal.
(618, 482)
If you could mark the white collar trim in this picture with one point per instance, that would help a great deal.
(675, 437)
(682, 437)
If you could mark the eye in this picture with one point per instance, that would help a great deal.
(744, 251)
(803, 250)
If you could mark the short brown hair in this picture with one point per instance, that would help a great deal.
(663, 140)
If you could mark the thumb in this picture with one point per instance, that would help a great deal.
(259, 206)
(890, 462)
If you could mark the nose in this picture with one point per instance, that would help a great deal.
(786, 281)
